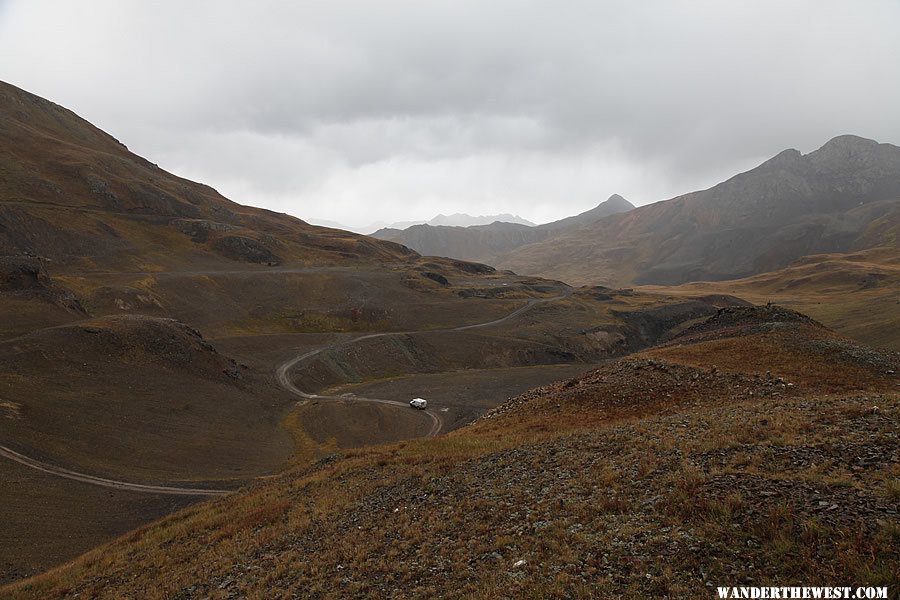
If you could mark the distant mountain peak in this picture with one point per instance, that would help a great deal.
(846, 151)
(617, 200)
(835, 152)
(613, 204)
(465, 220)
(839, 198)
(784, 158)
(848, 141)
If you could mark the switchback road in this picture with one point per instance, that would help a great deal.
(282, 373)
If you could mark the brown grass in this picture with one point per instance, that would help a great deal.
(855, 294)
(654, 500)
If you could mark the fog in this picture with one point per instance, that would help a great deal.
(398, 110)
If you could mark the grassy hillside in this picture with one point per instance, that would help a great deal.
(857, 294)
(143, 316)
(141, 398)
(657, 474)
(73, 194)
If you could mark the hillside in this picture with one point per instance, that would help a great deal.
(476, 243)
(843, 197)
(613, 205)
(857, 294)
(755, 446)
(464, 220)
(160, 343)
(484, 243)
(454, 220)
(75, 195)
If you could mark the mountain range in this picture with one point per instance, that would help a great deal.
(204, 399)
(157, 338)
(485, 243)
(454, 220)
(843, 197)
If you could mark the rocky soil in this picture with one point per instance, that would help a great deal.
(644, 478)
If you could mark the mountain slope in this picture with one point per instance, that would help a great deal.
(613, 205)
(844, 196)
(483, 243)
(464, 220)
(653, 476)
(454, 220)
(477, 243)
(72, 193)
(857, 294)
(110, 269)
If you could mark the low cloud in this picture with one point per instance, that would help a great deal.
(364, 111)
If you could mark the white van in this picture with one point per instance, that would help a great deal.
(419, 403)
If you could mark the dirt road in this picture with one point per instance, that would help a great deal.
(282, 373)
(110, 483)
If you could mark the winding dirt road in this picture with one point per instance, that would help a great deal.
(109, 483)
(282, 373)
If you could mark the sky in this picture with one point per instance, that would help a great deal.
(380, 111)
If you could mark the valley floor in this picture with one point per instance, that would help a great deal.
(58, 497)
(664, 473)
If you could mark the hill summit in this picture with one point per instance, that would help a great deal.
(843, 197)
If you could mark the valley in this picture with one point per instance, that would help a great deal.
(568, 487)
(205, 399)
(158, 335)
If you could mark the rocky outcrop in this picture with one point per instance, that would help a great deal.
(245, 249)
(26, 277)
(200, 229)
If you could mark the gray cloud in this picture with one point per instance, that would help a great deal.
(360, 111)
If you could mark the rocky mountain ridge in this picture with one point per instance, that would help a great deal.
(843, 197)
(484, 243)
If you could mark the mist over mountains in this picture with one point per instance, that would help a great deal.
(454, 220)
(162, 345)
(842, 197)
(486, 242)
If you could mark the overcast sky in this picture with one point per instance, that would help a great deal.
(361, 111)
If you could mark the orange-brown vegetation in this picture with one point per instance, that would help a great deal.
(649, 476)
